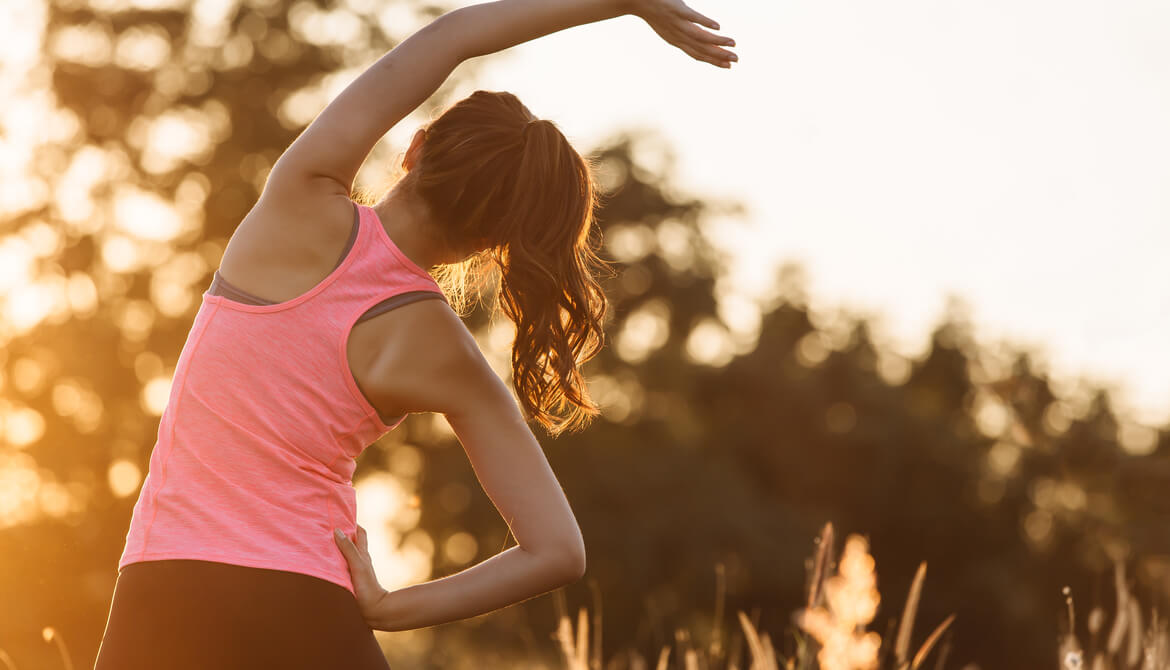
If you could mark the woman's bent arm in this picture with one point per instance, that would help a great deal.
(436, 366)
(511, 576)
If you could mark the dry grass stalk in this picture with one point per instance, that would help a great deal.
(931, 640)
(902, 645)
(1131, 643)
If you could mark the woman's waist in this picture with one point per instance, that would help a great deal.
(308, 555)
(237, 575)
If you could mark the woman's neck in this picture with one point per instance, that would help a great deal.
(408, 223)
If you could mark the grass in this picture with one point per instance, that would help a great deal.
(1129, 642)
(829, 630)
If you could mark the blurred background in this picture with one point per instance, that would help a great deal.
(901, 269)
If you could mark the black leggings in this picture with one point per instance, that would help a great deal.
(202, 615)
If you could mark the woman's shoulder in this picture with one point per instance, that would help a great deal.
(285, 246)
(429, 358)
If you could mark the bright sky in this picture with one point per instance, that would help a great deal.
(1013, 152)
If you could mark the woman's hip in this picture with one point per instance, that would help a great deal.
(182, 613)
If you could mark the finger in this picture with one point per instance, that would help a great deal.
(711, 53)
(341, 540)
(720, 55)
(700, 35)
(697, 55)
(360, 571)
(347, 548)
(362, 540)
(692, 15)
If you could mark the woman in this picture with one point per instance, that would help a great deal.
(323, 329)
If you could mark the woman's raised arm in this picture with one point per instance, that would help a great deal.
(330, 151)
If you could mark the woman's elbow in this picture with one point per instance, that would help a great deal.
(565, 564)
(574, 563)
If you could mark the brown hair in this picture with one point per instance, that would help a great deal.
(511, 187)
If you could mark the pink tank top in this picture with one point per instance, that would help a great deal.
(257, 444)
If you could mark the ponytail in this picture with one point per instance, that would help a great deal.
(496, 177)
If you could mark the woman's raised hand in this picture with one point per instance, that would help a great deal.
(676, 23)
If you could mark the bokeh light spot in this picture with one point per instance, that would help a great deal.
(460, 548)
(23, 426)
(155, 394)
(123, 478)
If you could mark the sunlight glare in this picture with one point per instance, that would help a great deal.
(324, 27)
(82, 294)
(812, 349)
(629, 243)
(1058, 418)
(28, 375)
(54, 499)
(174, 137)
(88, 417)
(381, 498)
(147, 366)
(208, 22)
(32, 118)
(29, 304)
(19, 481)
(20, 193)
(25, 23)
(644, 331)
(120, 254)
(396, 20)
(636, 279)
(742, 317)
(894, 369)
(15, 262)
(142, 48)
(66, 397)
(23, 426)
(123, 477)
(1003, 457)
(1137, 439)
(676, 245)
(172, 284)
(114, 6)
(145, 215)
(991, 416)
(73, 193)
(709, 343)
(460, 548)
(135, 318)
(155, 394)
(405, 461)
(43, 239)
(606, 392)
(89, 44)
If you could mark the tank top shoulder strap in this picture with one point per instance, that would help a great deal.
(382, 240)
(398, 269)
